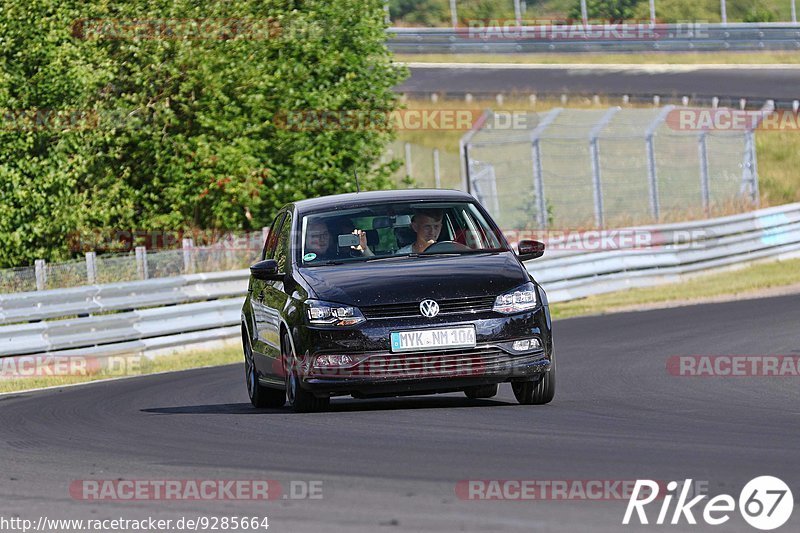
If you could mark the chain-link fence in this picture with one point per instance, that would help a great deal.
(608, 168)
(139, 264)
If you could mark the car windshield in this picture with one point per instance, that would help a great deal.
(395, 230)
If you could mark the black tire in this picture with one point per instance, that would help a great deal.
(537, 392)
(260, 396)
(483, 391)
(300, 400)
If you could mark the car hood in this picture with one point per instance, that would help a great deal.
(413, 279)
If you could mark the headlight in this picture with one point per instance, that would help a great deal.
(522, 298)
(331, 314)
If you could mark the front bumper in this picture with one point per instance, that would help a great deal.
(377, 371)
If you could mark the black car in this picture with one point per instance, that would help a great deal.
(393, 293)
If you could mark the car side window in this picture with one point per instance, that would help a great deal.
(284, 243)
(272, 238)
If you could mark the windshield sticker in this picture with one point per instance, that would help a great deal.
(309, 256)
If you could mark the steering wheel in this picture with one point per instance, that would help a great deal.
(446, 246)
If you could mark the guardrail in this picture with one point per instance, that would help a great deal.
(685, 37)
(150, 316)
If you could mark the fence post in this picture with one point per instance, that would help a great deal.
(453, 13)
(463, 150)
(437, 177)
(408, 159)
(91, 268)
(723, 12)
(40, 269)
(538, 183)
(493, 189)
(188, 255)
(594, 148)
(141, 262)
(704, 185)
(467, 181)
(652, 177)
(517, 13)
(750, 168)
(536, 159)
(794, 13)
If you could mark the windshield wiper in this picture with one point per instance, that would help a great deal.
(384, 257)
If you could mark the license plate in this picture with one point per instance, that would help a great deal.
(428, 339)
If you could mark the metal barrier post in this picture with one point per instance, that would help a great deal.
(141, 262)
(91, 268)
(188, 256)
(41, 274)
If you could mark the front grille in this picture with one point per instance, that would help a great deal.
(466, 363)
(421, 365)
(450, 306)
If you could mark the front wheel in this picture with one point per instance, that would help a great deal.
(260, 396)
(537, 392)
(300, 400)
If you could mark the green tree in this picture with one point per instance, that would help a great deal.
(182, 130)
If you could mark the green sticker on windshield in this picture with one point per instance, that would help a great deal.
(310, 256)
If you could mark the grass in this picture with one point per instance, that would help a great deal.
(138, 366)
(646, 58)
(745, 281)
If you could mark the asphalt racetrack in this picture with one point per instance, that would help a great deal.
(394, 464)
(729, 82)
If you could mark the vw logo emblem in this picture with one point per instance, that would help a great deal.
(429, 308)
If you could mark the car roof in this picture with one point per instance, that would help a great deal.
(356, 199)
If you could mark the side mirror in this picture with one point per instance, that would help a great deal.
(530, 250)
(266, 270)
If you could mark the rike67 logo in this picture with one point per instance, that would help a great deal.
(765, 503)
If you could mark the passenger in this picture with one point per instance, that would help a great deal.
(427, 224)
(319, 242)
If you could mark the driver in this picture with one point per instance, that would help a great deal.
(427, 224)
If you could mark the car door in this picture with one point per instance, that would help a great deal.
(261, 314)
(273, 300)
